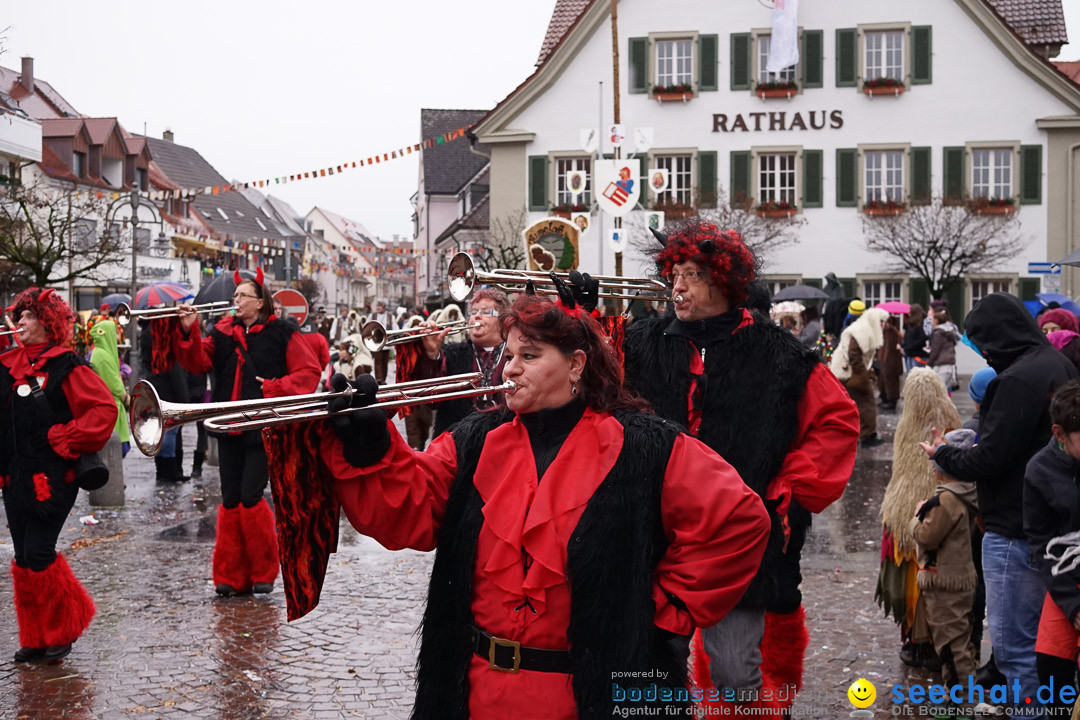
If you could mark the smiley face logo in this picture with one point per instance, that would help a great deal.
(862, 693)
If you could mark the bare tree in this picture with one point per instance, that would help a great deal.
(941, 242)
(504, 247)
(49, 234)
(309, 288)
(763, 235)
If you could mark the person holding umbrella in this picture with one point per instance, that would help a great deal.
(251, 355)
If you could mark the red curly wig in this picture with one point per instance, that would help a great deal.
(50, 309)
(722, 252)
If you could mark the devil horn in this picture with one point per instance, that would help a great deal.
(660, 237)
(236, 277)
(45, 293)
(258, 276)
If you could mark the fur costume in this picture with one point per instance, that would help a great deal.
(231, 565)
(267, 349)
(867, 332)
(611, 557)
(52, 606)
(260, 541)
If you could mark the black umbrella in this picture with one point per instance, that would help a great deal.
(800, 292)
(221, 288)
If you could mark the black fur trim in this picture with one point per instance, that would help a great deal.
(267, 348)
(460, 358)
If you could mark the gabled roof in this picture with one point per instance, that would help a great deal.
(1037, 22)
(449, 166)
(43, 103)
(101, 128)
(564, 15)
(62, 127)
(355, 231)
(286, 214)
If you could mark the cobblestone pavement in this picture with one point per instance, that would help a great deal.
(163, 645)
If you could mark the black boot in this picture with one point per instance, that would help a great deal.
(178, 470)
(163, 467)
(196, 464)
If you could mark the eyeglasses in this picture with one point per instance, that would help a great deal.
(237, 296)
(488, 311)
(692, 277)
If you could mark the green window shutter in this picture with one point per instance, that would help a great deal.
(953, 183)
(920, 175)
(847, 64)
(1028, 288)
(1030, 174)
(922, 62)
(919, 292)
(847, 188)
(812, 178)
(706, 166)
(850, 286)
(812, 282)
(639, 65)
(740, 178)
(708, 52)
(957, 308)
(813, 46)
(740, 61)
(538, 182)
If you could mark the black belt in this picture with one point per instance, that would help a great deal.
(509, 656)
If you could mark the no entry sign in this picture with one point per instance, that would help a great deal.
(293, 303)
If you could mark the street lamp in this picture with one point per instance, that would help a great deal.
(135, 203)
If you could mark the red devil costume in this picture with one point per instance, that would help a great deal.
(575, 548)
(751, 392)
(54, 409)
(245, 553)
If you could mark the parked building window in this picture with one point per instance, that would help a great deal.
(982, 288)
(764, 43)
(884, 179)
(776, 286)
(776, 177)
(991, 170)
(674, 62)
(884, 56)
(78, 164)
(562, 193)
(876, 292)
(680, 185)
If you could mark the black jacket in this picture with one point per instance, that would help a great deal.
(914, 342)
(1052, 508)
(1014, 419)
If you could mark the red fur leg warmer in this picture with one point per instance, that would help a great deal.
(783, 649)
(52, 605)
(230, 557)
(260, 541)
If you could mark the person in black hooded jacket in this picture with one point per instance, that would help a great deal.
(1014, 424)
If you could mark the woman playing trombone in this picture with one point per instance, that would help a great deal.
(251, 355)
(575, 534)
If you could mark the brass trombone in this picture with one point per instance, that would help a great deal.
(151, 417)
(463, 276)
(124, 313)
(376, 336)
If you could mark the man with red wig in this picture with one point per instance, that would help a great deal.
(751, 392)
(53, 409)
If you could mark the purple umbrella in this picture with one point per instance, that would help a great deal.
(161, 293)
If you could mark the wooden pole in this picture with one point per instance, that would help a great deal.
(617, 116)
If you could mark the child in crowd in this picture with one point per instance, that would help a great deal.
(943, 528)
(977, 390)
(1052, 509)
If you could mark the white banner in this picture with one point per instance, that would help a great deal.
(784, 45)
(617, 185)
(654, 220)
(616, 135)
(590, 140)
(583, 222)
(617, 239)
(575, 182)
(658, 180)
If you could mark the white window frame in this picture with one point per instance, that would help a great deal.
(905, 62)
(666, 158)
(695, 59)
(756, 154)
(1010, 281)
(758, 60)
(779, 281)
(883, 175)
(905, 149)
(560, 164)
(1012, 146)
(864, 281)
(678, 68)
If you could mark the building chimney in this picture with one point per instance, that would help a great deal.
(167, 135)
(27, 79)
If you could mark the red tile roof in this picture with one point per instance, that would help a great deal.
(61, 127)
(43, 103)
(100, 129)
(1070, 68)
(563, 17)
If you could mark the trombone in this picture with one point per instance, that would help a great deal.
(151, 417)
(124, 313)
(376, 336)
(13, 331)
(463, 276)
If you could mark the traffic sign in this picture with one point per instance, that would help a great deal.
(1044, 268)
(293, 303)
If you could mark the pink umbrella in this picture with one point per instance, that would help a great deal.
(161, 293)
(894, 307)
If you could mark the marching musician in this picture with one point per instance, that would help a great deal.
(55, 408)
(251, 355)
(751, 392)
(574, 534)
(482, 352)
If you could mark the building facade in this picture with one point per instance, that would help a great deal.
(890, 106)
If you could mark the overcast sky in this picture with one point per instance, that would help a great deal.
(271, 88)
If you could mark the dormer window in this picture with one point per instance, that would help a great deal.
(142, 180)
(78, 164)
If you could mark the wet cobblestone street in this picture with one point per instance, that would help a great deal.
(163, 645)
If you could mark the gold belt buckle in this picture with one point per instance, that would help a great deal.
(504, 643)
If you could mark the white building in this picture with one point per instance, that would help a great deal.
(338, 264)
(978, 111)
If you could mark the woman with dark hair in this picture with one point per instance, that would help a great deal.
(914, 340)
(575, 534)
(55, 408)
(251, 355)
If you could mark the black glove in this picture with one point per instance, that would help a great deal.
(928, 506)
(566, 295)
(363, 434)
(586, 290)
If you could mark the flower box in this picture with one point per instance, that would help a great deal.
(775, 214)
(883, 211)
(676, 212)
(681, 95)
(873, 90)
(560, 214)
(768, 93)
(994, 210)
